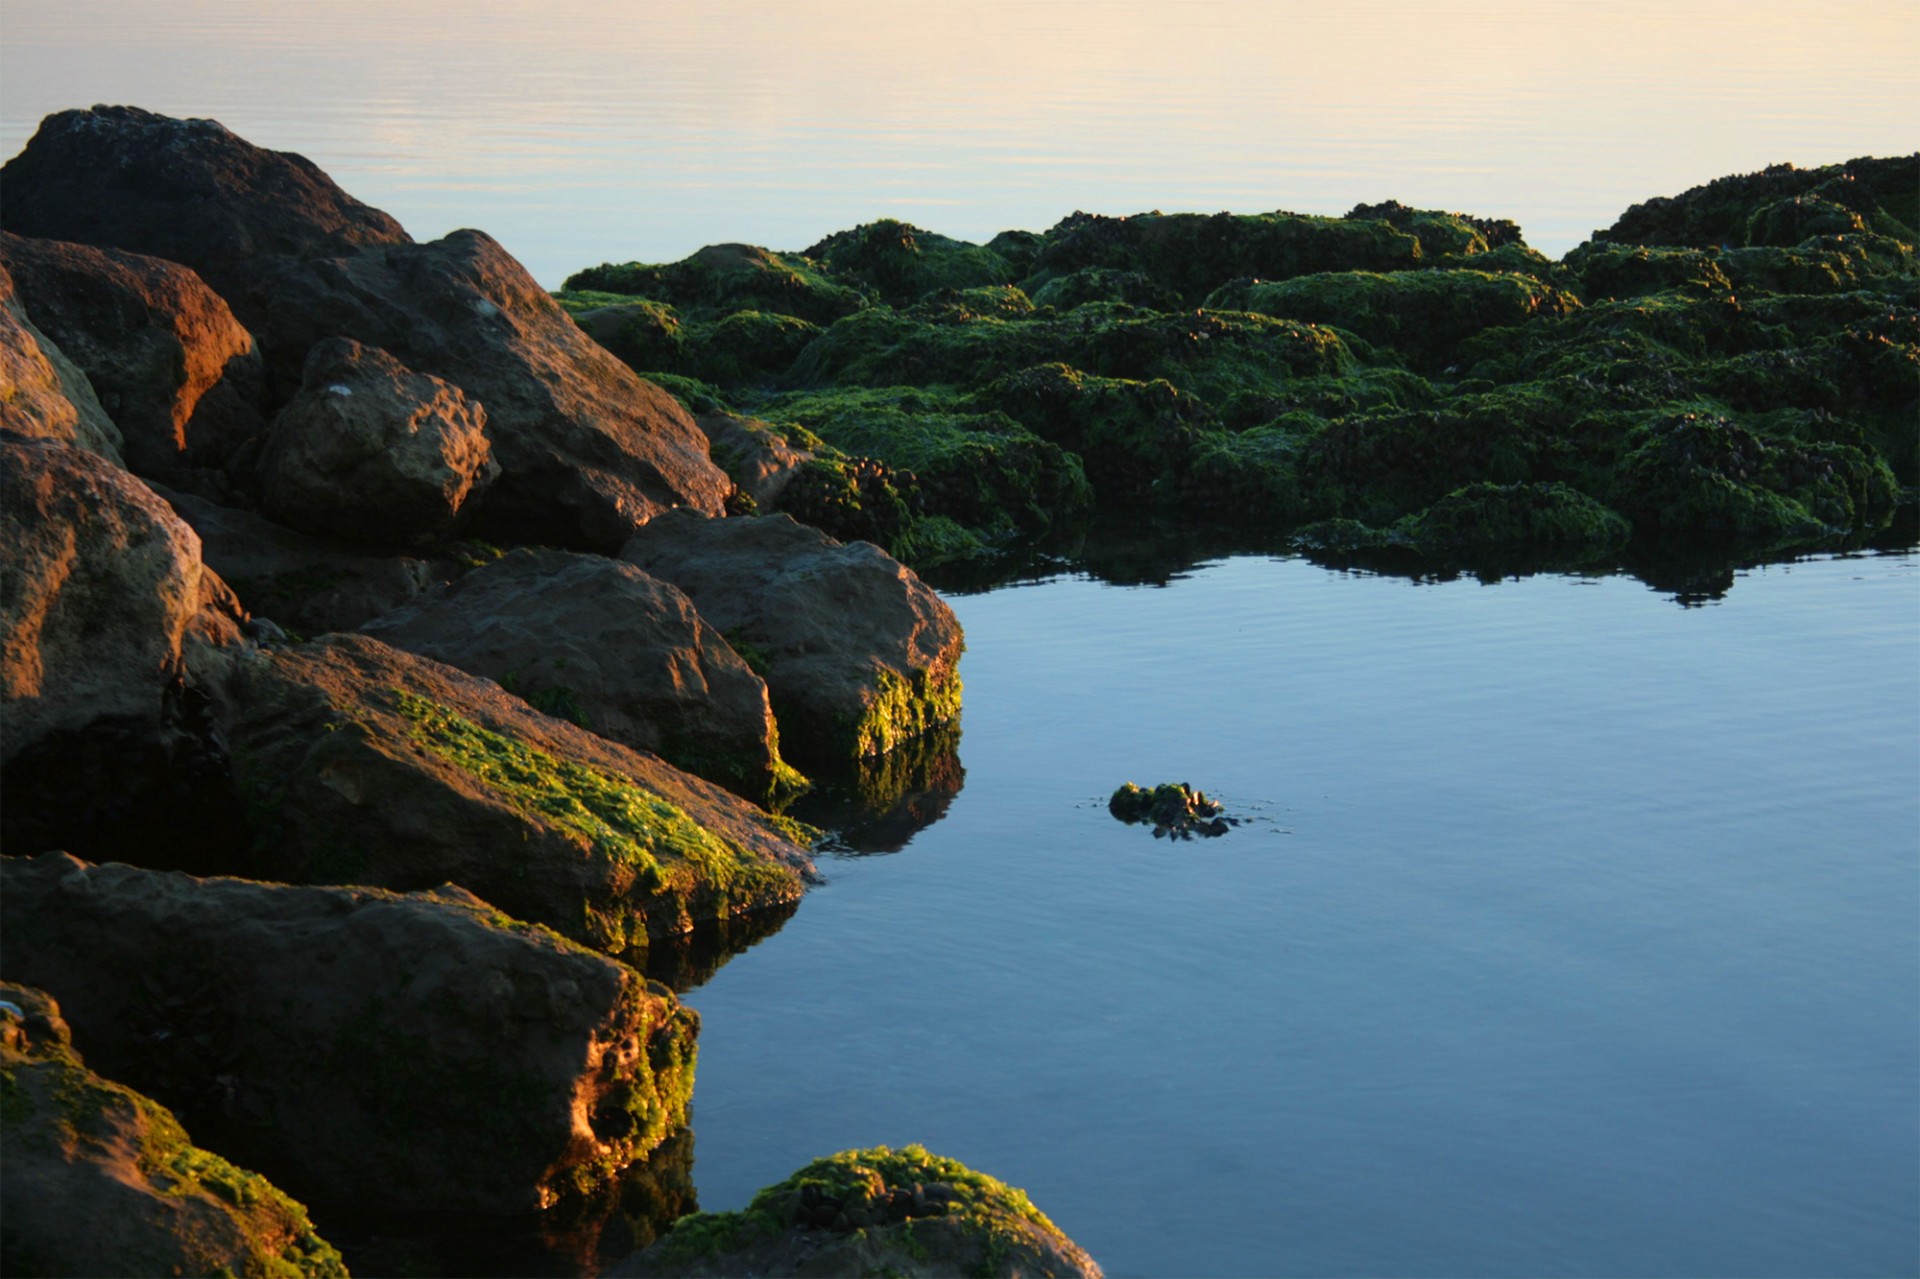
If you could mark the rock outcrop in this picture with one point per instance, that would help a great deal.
(864, 1212)
(99, 1180)
(172, 367)
(188, 191)
(43, 394)
(410, 1053)
(368, 765)
(859, 654)
(100, 586)
(371, 451)
(599, 642)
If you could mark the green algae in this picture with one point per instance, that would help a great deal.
(746, 346)
(901, 262)
(724, 278)
(904, 708)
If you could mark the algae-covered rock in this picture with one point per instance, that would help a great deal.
(1172, 808)
(876, 1211)
(1607, 270)
(761, 458)
(406, 1053)
(363, 764)
(859, 654)
(1104, 284)
(1722, 212)
(647, 336)
(746, 346)
(1491, 516)
(900, 262)
(600, 643)
(724, 278)
(100, 1180)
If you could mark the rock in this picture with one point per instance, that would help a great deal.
(901, 262)
(761, 459)
(599, 642)
(367, 1050)
(43, 394)
(859, 654)
(367, 765)
(101, 586)
(99, 1180)
(646, 336)
(371, 451)
(1172, 808)
(179, 376)
(310, 585)
(723, 278)
(864, 1212)
(184, 190)
(588, 450)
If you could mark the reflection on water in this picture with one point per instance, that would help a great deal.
(877, 805)
(577, 1238)
(688, 960)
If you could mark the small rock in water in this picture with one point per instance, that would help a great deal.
(1173, 808)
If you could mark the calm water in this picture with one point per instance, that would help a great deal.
(620, 129)
(1576, 932)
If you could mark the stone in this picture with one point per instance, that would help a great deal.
(599, 642)
(371, 451)
(100, 1180)
(367, 765)
(188, 191)
(101, 588)
(368, 1050)
(180, 377)
(761, 459)
(43, 394)
(859, 654)
(886, 1219)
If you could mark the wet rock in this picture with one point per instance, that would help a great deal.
(588, 451)
(99, 1180)
(859, 654)
(876, 1211)
(101, 588)
(188, 191)
(414, 1053)
(599, 642)
(1171, 808)
(179, 376)
(43, 394)
(363, 764)
(371, 451)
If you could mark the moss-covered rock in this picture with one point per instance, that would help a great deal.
(100, 1180)
(647, 336)
(900, 261)
(1722, 212)
(1104, 284)
(746, 346)
(723, 278)
(870, 1212)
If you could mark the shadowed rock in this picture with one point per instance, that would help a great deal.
(180, 377)
(601, 643)
(416, 1053)
(99, 1180)
(363, 764)
(859, 655)
(43, 394)
(371, 451)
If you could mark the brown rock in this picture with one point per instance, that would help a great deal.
(859, 654)
(760, 459)
(368, 765)
(185, 190)
(371, 451)
(179, 376)
(411, 1053)
(43, 394)
(99, 1180)
(101, 585)
(598, 642)
(588, 451)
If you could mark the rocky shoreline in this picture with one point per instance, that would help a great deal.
(398, 658)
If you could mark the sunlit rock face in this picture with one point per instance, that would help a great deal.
(47, 396)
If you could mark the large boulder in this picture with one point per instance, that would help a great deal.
(43, 394)
(99, 1180)
(762, 459)
(858, 653)
(871, 1212)
(308, 585)
(185, 190)
(588, 450)
(371, 451)
(179, 376)
(407, 1053)
(599, 642)
(367, 765)
(101, 585)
